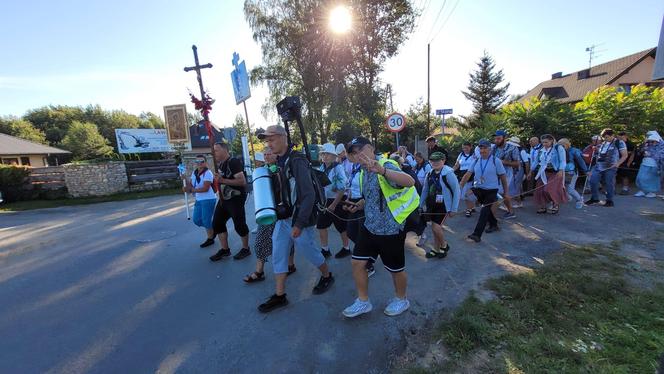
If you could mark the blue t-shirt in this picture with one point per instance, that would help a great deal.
(338, 180)
(487, 173)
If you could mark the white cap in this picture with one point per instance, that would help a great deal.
(654, 136)
(259, 156)
(340, 148)
(329, 148)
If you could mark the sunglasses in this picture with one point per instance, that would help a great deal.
(199, 161)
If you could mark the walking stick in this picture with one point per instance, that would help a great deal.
(181, 169)
(585, 183)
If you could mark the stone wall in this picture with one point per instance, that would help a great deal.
(98, 179)
(155, 185)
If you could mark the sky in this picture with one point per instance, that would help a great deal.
(130, 55)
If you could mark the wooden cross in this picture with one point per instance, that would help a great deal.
(198, 67)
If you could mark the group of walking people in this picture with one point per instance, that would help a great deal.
(373, 201)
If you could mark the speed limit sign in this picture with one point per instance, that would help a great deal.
(396, 122)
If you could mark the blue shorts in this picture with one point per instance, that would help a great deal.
(305, 244)
(203, 211)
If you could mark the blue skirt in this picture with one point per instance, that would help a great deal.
(648, 179)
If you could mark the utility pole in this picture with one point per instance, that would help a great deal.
(428, 87)
(389, 95)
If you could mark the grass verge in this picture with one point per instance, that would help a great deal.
(40, 204)
(581, 312)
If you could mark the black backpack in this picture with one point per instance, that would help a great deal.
(319, 180)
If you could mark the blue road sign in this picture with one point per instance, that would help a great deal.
(240, 80)
(442, 112)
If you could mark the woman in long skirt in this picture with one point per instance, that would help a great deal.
(549, 173)
(649, 178)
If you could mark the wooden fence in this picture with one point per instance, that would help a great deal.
(151, 170)
(48, 178)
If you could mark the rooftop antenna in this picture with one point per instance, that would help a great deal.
(592, 54)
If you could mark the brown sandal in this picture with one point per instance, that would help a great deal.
(254, 277)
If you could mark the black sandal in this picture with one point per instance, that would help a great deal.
(291, 270)
(541, 211)
(259, 277)
(554, 210)
(469, 212)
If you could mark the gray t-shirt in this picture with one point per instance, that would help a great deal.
(507, 153)
(608, 154)
(378, 218)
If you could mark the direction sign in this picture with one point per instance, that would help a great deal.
(240, 80)
(442, 112)
(395, 122)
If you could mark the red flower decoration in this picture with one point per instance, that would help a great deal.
(204, 106)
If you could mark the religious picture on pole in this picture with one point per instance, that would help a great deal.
(176, 123)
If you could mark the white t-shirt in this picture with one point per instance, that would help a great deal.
(206, 177)
(465, 161)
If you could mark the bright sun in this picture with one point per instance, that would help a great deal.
(340, 19)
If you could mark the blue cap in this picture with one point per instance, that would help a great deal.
(484, 143)
(500, 133)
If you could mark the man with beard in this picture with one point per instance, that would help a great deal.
(511, 160)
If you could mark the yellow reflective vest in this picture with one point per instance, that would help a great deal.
(400, 201)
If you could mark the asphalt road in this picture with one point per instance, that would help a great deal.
(124, 288)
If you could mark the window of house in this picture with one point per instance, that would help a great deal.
(25, 161)
(10, 161)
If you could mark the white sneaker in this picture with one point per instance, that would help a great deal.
(357, 308)
(397, 306)
(579, 205)
(517, 205)
(639, 194)
(651, 195)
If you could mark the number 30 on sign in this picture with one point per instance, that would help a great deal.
(396, 122)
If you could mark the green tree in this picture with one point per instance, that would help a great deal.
(635, 112)
(536, 117)
(416, 124)
(296, 55)
(54, 120)
(484, 89)
(21, 129)
(85, 142)
(336, 76)
(382, 27)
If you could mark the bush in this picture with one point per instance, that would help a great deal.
(636, 113)
(12, 181)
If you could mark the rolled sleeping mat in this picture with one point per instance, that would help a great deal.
(266, 214)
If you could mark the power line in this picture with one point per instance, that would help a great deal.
(424, 9)
(445, 22)
(433, 26)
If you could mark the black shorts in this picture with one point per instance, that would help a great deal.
(390, 248)
(436, 212)
(231, 209)
(626, 173)
(355, 220)
(326, 219)
(485, 197)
